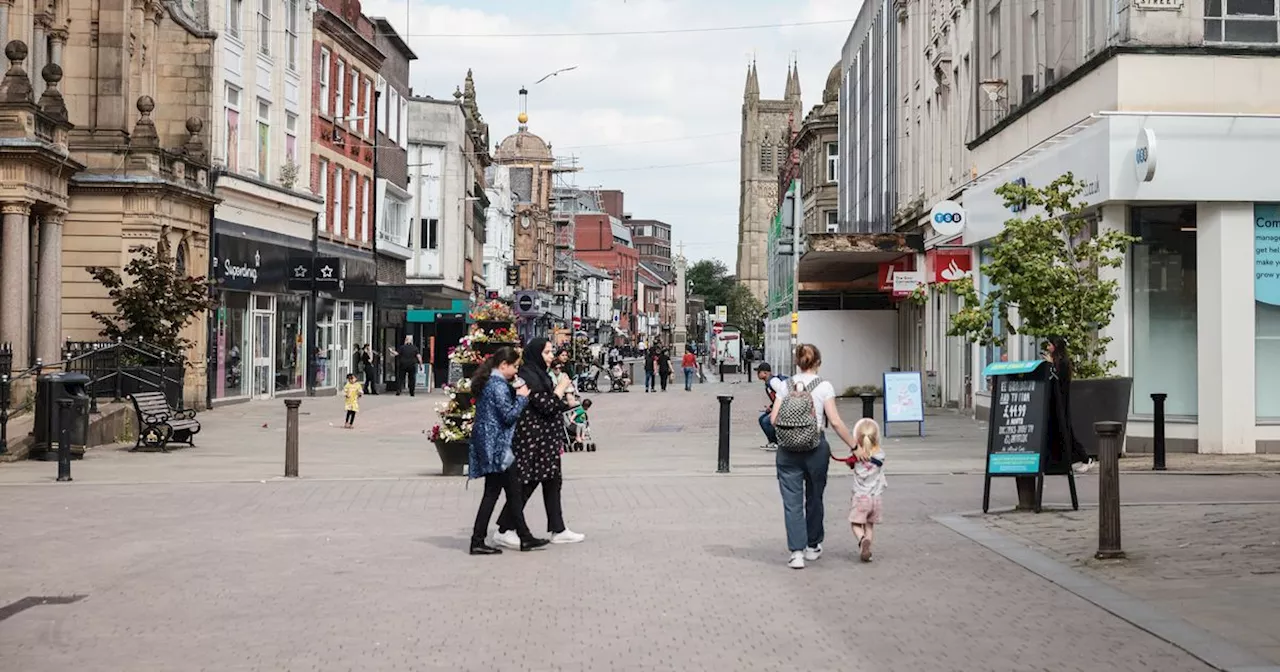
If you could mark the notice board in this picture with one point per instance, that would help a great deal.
(1018, 431)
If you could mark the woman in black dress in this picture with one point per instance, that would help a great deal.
(1061, 437)
(538, 443)
(664, 367)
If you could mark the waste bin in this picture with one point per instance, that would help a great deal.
(50, 388)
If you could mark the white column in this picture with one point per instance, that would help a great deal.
(1115, 218)
(1225, 327)
(39, 58)
(15, 277)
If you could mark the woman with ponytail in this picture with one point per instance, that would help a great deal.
(498, 407)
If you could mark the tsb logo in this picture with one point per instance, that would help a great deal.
(948, 218)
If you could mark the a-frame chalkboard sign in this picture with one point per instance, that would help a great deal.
(1018, 437)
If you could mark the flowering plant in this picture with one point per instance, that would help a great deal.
(463, 355)
(499, 335)
(451, 430)
(493, 311)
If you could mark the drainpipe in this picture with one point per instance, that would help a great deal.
(373, 227)
(313, 322)
(211, 330)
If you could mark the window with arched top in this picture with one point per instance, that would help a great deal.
(180, 258)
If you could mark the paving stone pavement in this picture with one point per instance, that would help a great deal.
(1216, 566)
(201, 560)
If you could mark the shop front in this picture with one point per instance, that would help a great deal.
(345, 312)
(259, 323)
(1199, 193)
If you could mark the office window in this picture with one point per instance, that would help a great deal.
(833, 161)
(264, 27)
(339, 90)
(353, 99)
(291, 137)
(291, 33)
(1241, 21)
(231, 136)
(324, 81)
(833, 221)
(264, 139)
(339, 187)
(352, 223)
(403, 125)
(430, 233)
(993, 34)
(365, 223)
(322, 170)
(368, 107)
(390, 108)
(234, 10)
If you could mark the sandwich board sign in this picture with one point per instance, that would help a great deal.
(1018, 439)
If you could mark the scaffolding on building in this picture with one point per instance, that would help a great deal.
(566, 205)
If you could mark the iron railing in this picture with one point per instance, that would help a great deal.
(118, 369)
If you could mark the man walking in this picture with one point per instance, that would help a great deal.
(408, 359)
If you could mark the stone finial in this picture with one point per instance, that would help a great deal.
(144, 132)
(194, 147)
(51, 101)
(16, 86)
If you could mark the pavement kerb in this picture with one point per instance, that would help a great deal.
(1209, 648)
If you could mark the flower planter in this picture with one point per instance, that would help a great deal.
(1096, 400)
(454, 456)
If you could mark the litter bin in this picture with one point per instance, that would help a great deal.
(49, 389)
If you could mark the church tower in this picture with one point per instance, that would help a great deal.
(764, 146)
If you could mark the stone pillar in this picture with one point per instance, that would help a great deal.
(15, 286)
(39, 57)
(5, 7)
(1225, 313)
(58, 39)
(49, 289)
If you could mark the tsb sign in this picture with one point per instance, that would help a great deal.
(948, 218)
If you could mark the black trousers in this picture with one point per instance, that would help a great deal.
(370, 380)
(351, 417)
(509, 519)
(407, 374)
(495, 484)
(663, 377)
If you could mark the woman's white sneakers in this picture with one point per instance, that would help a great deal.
(1083, 467)
(797, 560)
(567, 537)
(813, 553)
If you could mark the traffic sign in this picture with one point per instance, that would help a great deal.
(577, 322)
(717, 328)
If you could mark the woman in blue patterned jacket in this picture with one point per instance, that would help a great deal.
(498, 406)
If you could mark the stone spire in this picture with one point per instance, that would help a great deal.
(752, 91)
(793, 83)
(51, 101)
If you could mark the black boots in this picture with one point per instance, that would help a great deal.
(533, 543)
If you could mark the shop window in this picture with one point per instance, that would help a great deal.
(232, 343)
(1266, 312)
(990, 353)
(290, 367)
(1163, 282)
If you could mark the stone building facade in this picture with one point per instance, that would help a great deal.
(765, 144)
(532, 168)
(819, 146)
(103, 148)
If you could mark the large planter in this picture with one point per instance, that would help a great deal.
(1096, 400)
(455, 456)
(490, 347)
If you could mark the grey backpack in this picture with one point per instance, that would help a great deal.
(797, 423)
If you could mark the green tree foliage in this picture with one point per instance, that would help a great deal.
(1045, 266)
(744, 313)
(709, 279)
(157, 303)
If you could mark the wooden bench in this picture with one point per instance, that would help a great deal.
(159, 425)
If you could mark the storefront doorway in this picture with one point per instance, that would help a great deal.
(263, 335)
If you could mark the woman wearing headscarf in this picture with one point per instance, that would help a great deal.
(1062, 439)
(538, 442)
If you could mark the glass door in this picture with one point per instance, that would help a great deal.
(343, 352)
(263, 337)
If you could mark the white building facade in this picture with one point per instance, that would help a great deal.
(1172, 143)
(500, 235)
(438, 182)
(261, 135)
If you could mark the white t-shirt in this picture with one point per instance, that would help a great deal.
(820, 394)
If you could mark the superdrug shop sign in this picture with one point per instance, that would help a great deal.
(249, 265)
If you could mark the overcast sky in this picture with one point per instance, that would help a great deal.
(635, 101)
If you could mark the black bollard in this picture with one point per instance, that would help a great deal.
(5, 387)
(722, 465)
(1158, 447)
(1108, 490)
(291, 437)
(720, 365)
(868, 405)
(64, 440)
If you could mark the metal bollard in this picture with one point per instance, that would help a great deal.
(1158, 441)
(1108, 490)
(291, 437)
(631, 372)
(722, 462)
(5, 389)
(64, 440)
(868, 405)
(720, 366)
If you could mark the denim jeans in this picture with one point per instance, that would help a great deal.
(766, 426)
(688, 378)
(649, 379)
(802, 478)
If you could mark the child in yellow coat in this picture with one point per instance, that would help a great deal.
(353, 390)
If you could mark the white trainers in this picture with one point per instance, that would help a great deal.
(797, 560)
(813, 553)
(508, 539)
(1083, 467)
(771, 447)
(567, 537)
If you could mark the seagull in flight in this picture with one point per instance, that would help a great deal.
(545, 78)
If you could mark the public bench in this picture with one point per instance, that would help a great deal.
(159, 425)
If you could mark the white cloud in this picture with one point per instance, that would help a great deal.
(629, 90)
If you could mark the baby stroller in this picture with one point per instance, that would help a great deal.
(618, 380)
(577, 428)
(589, 380)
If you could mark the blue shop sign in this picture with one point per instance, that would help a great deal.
(1266, 253)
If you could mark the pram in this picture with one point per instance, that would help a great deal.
(588, 381)
(618, 380)
(577, 425)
